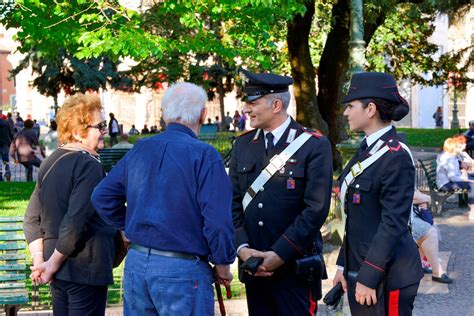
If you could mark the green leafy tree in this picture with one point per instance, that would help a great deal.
(305, 37)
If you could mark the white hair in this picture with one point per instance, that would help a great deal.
(183, 102)
(284, 97)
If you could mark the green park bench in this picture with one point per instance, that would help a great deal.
(438, 197)
(208, 132)
(110, 156)
(13, 290)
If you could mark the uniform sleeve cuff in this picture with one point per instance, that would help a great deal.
(286, 249)
(340, 258)
(370, 275)
(242, 246)
(240, 237)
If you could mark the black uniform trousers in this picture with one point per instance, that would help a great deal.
(393, 303)
(282, 295)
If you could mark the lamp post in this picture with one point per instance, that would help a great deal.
(454, 83)
(357, 43)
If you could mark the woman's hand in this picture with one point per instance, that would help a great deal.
(44, 272)
(35, 275)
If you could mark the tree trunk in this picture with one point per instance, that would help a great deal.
(221, 91)
(302, 70)
(56, 106)
(332, 75)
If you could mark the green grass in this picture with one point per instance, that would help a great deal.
(14, 197)
(428, 137)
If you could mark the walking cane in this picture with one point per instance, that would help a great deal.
(219, 296)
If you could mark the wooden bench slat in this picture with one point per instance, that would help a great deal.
(12, 256)
(11, 227)
(14, 298)
(11, 219)
(12, 277)
(10, 237)
(13, 246)
(110, 156)
(13, 267)
(15, 285)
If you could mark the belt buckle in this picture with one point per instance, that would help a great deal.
(356, 171)
(277, 163)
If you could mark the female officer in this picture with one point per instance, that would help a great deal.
(378, 263)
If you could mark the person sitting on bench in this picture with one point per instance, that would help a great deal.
(448, 173)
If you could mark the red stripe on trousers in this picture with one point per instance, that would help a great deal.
(313, 305)
(393, 300)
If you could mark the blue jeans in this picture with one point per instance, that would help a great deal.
(157, 285)
(5, 160)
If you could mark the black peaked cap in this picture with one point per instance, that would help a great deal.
(258, 85)
(379, 85)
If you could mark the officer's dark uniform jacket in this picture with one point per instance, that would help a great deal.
(287, 221)
(378, 243)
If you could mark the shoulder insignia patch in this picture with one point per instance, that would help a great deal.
(246, 132)
(316, 134)
(393, 145)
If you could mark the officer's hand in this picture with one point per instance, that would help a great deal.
(245, 253)
(223, 274)
(365, 295)
(339, 278)
(271, 261)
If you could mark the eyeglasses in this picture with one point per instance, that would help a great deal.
(102, 126)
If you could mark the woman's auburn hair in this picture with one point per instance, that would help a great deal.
(75, 115)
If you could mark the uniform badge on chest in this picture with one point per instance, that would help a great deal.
(290, 182)
(356, 198)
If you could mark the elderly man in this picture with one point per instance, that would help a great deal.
(177, 217)
(281, 174)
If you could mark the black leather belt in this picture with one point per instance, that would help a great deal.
(170, 254)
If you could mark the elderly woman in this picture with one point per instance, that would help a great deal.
(61, 225)
(449, 175)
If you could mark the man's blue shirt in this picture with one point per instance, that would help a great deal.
(178, 196)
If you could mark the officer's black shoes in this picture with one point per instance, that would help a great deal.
(442, 279)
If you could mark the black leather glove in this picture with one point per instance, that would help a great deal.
(251, 265)
(334, 295)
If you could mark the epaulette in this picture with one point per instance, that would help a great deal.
(316, 134)
(246, 132)
(393, 145)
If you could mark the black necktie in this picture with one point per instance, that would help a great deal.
(363, 146)
(269, 138)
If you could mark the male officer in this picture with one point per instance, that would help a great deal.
(379, 258)
(279, 220)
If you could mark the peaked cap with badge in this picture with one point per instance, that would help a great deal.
(259, 85)
(379, 85)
